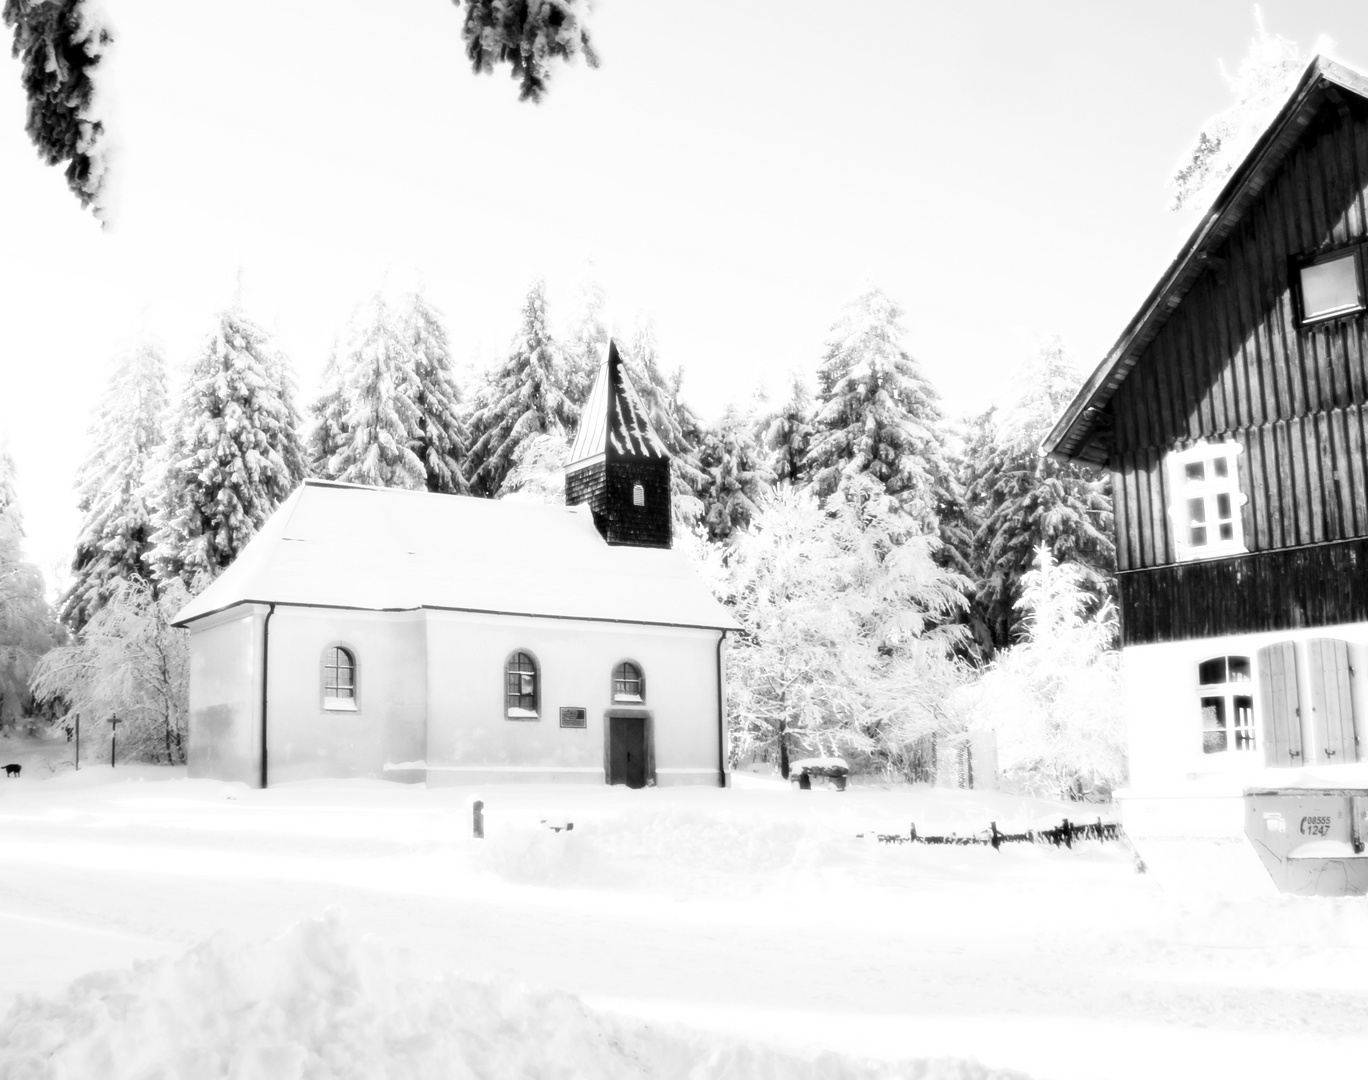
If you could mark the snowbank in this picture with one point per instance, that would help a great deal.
(321, 1000)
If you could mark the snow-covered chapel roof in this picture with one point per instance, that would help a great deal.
(383, 549)
(614, 419)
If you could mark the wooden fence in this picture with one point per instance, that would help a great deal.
(1062, 835)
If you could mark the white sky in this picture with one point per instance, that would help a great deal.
(736, 169)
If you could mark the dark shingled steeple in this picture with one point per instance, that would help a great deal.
(618, 465)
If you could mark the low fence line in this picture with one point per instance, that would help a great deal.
(1062, 835)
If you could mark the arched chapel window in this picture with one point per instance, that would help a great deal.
(339, 679)
(628, 685)
(522, 686)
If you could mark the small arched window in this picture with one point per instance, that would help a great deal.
(521, 686)
(638, 495)
(1225, 684)
(339, 679)
(628, 685)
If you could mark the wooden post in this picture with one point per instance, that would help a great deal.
(78, 741)
(114, 723)
(478, 808)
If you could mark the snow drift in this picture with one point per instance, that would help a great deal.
(321, 1000)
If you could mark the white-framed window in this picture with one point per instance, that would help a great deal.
(1225, 688)
(638, 495)
(339, 679)
(1205, 500)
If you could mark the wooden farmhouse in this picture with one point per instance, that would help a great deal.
(372, 632)
(1232, 415)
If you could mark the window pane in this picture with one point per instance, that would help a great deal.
(1213, 725)
(1197, 511)
(1213, 672)
(1223, 507)
(1197, 536)
(1195, 471)
(1244, 723)
(1220, 468)
(1227, 531)
(1330, 286)
(1239, 669)
(528, 685)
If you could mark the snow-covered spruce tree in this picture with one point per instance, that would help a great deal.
(529, 36)
(1024, 500)
(787, 435)
(441, 441)
(585, 343)
(28, 626)
(845, 647)
(671, 419)
(127, 432)
(876, 412)
(735, 476)
(524, 397)
(59, 43)
(380, 390)
(1259, 86)
(1053, 699)
(233, 453)
(326, 430)
(129, 662)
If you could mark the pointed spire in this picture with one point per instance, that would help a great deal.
(614, 419)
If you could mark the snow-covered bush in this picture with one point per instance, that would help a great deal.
(1054, 698)
(845, 647)
(129, 662)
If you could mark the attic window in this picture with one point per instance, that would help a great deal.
(1331, 285)
(638, 495)
(1205, 501)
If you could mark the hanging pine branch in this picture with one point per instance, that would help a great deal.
(59, 43)
(530, 36)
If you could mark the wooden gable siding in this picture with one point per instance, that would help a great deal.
(1231, 363)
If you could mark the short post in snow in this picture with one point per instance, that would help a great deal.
(478, 810)
(114, 723)
(78, 741)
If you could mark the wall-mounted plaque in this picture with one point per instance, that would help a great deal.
(574, 718)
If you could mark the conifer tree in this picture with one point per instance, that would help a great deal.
(380, 392)
(115, 542)
(735, 476)
(27, 626)
(677, 426)
(327, 432)
(525, 396)
(787, 435)
(588, 338)
(233, 453)
(877, 412)
(1024, 500)
(441, 440)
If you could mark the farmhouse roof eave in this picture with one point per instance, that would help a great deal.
(1074, 435)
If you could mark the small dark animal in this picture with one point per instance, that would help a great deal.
(12, 770)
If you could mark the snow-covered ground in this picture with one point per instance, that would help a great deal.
(355, 928)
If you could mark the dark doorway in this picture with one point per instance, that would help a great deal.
(627, 751)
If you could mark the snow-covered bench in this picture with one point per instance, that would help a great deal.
(832, 770)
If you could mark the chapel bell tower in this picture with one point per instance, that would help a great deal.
(618, 465)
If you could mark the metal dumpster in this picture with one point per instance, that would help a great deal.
(1311, 840)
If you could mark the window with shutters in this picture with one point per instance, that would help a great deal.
(1226, 689)
(1205, 501)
